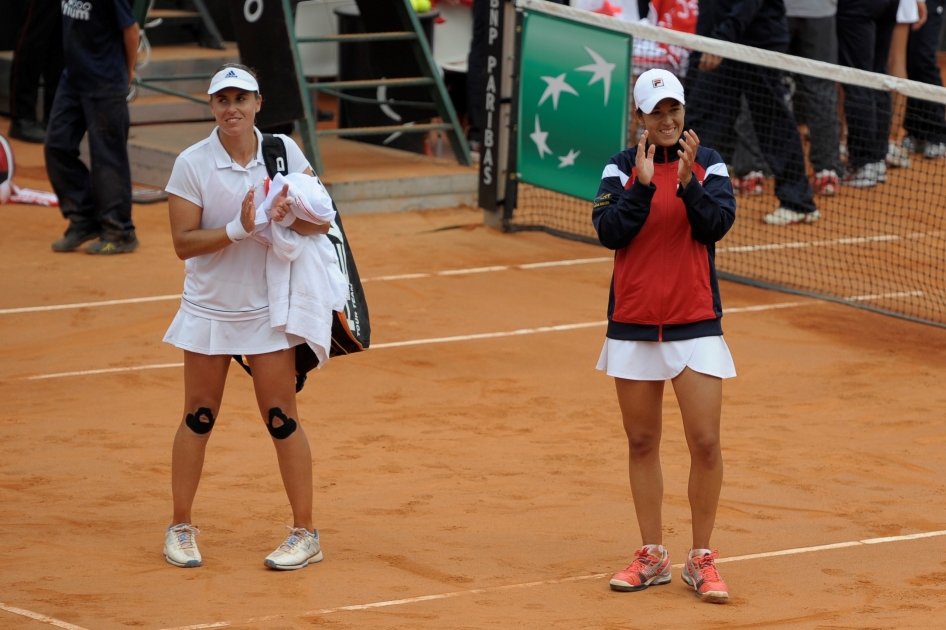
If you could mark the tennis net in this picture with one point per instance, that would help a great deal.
(878, 239)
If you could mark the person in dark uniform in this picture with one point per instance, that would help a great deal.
(865, 29)
(100, 41)
(925, 121)
(38, 55)
(716, 86)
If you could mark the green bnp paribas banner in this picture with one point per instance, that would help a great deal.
(572, 103)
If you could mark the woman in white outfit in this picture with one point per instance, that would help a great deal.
(224, 311)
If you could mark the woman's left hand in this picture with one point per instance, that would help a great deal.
(689, 143)
(281, 205)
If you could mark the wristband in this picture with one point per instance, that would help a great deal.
(235, 230)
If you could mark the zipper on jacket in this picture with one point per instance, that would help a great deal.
(668, 199)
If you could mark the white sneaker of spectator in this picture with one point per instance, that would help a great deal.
(897, 156)
(934, 150)
(864, 177)
(912, 145)
(785, 216)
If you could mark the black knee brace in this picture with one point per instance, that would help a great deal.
(201, 421)
(284, 430)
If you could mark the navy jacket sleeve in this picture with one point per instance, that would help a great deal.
(711, 208)
(618, 215)
(733, 17)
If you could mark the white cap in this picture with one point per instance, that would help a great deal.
(654, 86)
(233, 78)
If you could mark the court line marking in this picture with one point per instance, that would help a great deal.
(850, 240)
(62, 307)
(405, 276)
(597, 576)
(433, 340)
(41, 618)
(491, 335)
(853, 240)
(135, 368)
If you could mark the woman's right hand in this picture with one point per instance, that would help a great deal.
(645, 161)
(248, 212)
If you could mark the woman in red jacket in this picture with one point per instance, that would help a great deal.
(662, 206)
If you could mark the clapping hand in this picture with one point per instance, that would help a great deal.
(689, 143)
(248, 212)
(645, 160)
(281, 205)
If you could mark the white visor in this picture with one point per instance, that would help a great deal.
(654, 86)
(233, 78)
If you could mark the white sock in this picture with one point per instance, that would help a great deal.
(654, 550)
(699, 552)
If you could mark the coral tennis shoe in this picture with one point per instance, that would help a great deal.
(646, 570)
(700, 573)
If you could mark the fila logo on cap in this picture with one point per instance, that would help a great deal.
(658, 83)
(233, 75)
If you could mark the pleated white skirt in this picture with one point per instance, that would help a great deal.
(663, 360)
(211, 336)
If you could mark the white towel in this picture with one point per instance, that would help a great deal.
(304, 280)
(310, 202)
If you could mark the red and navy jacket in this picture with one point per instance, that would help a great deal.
(664, 284)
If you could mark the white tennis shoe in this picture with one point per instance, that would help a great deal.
(784, 216)
(180, 548)
(300, 548)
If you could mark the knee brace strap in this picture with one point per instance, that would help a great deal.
(201, 421)
(284, 430)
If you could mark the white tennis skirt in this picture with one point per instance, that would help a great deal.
(213, 336)
(663, 360)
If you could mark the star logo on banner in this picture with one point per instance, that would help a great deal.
(539, 138)
(608, 9)
(557, 85)
(568, 160)
(601, 70)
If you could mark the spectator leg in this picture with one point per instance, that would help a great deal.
(747, 156)
(712, 106)
(886, 23)
(778, 136)
(856, 43)
(925, 120)
(816, 38)
(68, 175)
(106, 114)
(41, 33)
(476, 72)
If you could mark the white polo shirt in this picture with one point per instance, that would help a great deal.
(229, 284)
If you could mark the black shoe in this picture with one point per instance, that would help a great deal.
(27, 131)
(71, 241)
(106, 247)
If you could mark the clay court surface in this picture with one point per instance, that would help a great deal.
(469, 483)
